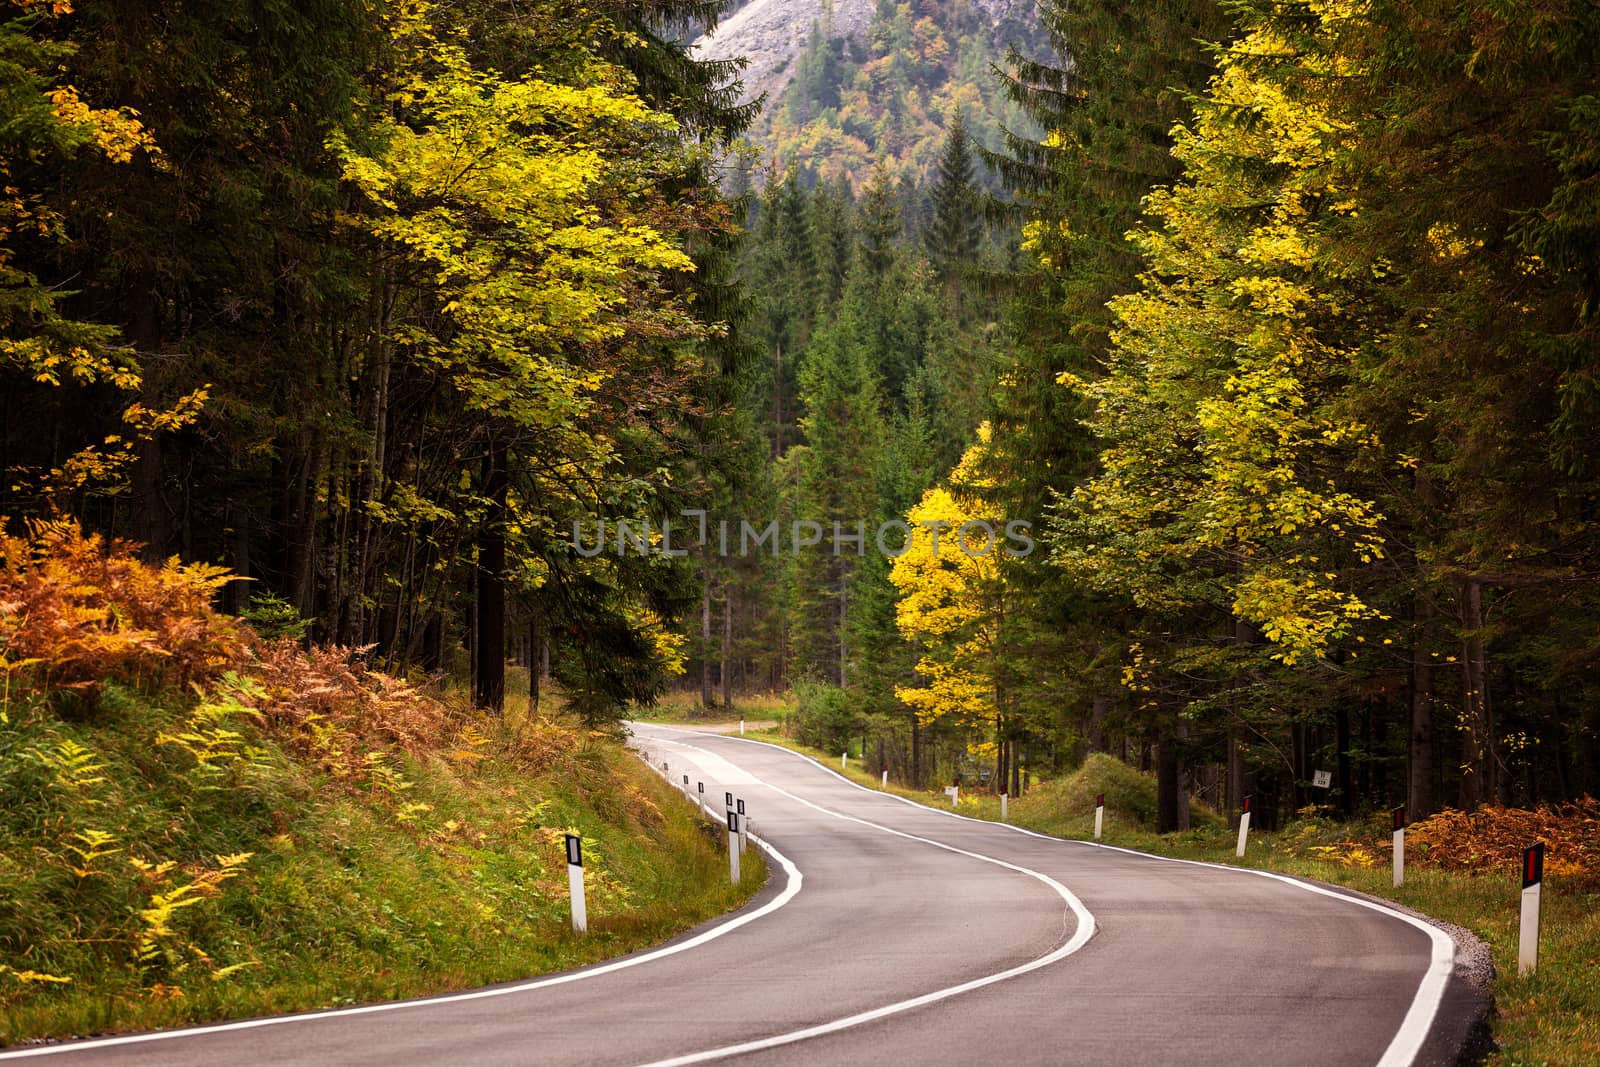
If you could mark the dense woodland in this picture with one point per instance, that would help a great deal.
(1282, 335)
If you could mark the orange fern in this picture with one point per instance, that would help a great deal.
(80, 610)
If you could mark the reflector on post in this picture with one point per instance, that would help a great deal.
(1244, 825)
(1532, 879)
(1399, 817)
(580, 914)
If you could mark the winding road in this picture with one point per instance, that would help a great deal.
(893, 933)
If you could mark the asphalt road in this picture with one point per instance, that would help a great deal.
(896, 934)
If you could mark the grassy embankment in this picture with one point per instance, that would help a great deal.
(685, 707)
(197, 824)
(1549, 1018)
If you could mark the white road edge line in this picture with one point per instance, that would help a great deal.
(1408, 1040)
(1080, 937)
(790, 891)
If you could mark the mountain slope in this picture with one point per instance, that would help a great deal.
(852, 81)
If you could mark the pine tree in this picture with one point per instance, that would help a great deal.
(878, 222)
(956, 227)
(835, 483)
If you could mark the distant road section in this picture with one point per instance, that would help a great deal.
(895, 933)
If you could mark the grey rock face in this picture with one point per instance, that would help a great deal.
(771, 33)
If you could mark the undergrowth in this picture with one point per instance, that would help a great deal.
(196, 823)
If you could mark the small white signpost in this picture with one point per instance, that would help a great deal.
(954, 793)
(733, 846)
(1244, 824)
(580, 914)
(1002, 807)
(1099, 814)
(1399, 814)
(1532, 879)
(1322, 779)
(744, 825)
(886, 777)
(844, 759)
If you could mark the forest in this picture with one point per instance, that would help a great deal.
(1277, 326)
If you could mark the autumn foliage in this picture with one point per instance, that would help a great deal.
(77, 609)
(1492, 839)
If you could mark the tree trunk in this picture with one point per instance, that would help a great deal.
(151, 520)
(236, 594)
(708, 696)
(1167, 816)
(1002, 767)
(533, 666)
(1181, 748)
(1235, 791)
(1299, 759)
(301, 564)
(1421, 799)
(1475, 739)
(1343, 780)
(490, 690)
(1097, 722)
(915, 776)
(727, 643)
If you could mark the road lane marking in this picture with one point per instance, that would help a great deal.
(1408, 1040)
(1085, 928)
(794, 881)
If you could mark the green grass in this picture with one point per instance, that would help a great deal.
(1549, 1018)
(685, 707)
(438, 873)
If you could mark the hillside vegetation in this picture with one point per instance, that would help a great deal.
(888, 93)
(199, 822)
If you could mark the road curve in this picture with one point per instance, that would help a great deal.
(895, 933)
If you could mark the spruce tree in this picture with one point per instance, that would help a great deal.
(955, 228)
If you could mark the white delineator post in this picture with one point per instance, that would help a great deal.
(1399, 814)
(744, 826)
(1532, 879)
(1099, 814)
(844, 759)
(741, 727)
(686, 794)
(1002, 807)
(701, 796)
(886, 778)
(733, 846)
(580, 914)
(1244, 824)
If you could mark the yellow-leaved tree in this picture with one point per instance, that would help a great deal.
(952, 600)
(1225, 471)
(48, 128)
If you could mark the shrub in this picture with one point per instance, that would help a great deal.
(272, 617)
(1129, 793)
(1491, 839)
(824, 716)
(76, 611)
